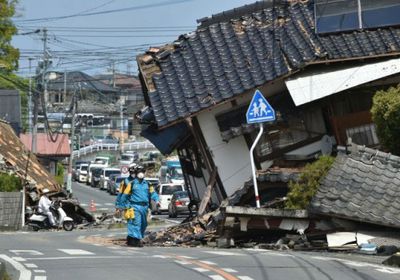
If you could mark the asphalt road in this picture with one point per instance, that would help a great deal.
(67, 255)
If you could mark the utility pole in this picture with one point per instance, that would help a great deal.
(30, 97)
(45, 65)
(69, 178)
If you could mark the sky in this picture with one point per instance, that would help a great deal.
(93, 35)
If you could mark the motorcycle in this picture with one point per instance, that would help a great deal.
(39, 221)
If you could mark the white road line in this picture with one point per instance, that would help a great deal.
(40, 278)
(39, 271)
(230, 270)
(216, 277)
(245, 278)
(83, 204)
(18, 259)
(26, 252)
(24, 274)
(76, 252)
(109, 204)
(76, 258)
(200, 269)
(161, 256)
(224, 253)
(31, 265)
(186, 257)
(182, 262)
(387, 270)
(208, 262)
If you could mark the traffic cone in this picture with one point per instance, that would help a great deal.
(92, 206)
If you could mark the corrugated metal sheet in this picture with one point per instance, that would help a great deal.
(46, 147)
(235, 54)
(314, 85)
(14, 155)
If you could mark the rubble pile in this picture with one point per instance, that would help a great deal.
(190, 234)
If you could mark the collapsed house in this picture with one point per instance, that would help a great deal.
(319, 79)
(17, 160)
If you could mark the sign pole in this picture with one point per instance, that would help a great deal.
(259, 111)
(253, 165)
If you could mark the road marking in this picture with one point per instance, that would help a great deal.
(208, 262)
(76, 258)
(76, 252)
(182, 262)
(31, 265)
(27, 252)
(245, 278)
(224, 253)
(24, 274)
(387, 270)
(109, 204)
(83, 204)
(18, 259)
(186, 257)
(39, 271)
(216, 277)
(200, 269)
(40, 278)
(161, 256)
(230, 270)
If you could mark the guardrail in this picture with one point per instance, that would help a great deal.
(112, 147)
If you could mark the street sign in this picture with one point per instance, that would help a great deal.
(124, 170)
(259, 110)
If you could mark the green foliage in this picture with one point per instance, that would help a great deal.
(9, 183)
(302, 191)
(60, 173)
(8, 54)
(386, 116)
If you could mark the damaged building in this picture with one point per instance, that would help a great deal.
(320, 79)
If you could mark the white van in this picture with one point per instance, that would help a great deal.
(165, 194)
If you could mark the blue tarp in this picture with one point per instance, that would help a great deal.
(168, 139)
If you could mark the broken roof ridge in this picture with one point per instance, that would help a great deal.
(373, 155)
(238, 12)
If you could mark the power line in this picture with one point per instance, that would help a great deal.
(133, 8)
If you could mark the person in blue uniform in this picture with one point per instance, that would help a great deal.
(135, 200)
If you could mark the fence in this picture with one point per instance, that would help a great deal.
(112, 147)
(10, 210)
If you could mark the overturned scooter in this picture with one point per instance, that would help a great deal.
(39, 221)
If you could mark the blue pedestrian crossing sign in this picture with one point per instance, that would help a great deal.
(259, 109)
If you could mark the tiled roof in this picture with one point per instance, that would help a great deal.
(363, 186)
(241, 49)
(14, 157)
(46, 147)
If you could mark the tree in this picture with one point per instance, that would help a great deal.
(386, 116)
(9, 183)
(8, 54)
(302, 191)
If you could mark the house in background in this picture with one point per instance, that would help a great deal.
(10, 109)
(49, 153)
(318, 73)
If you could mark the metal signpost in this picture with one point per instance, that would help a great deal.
(259, 111)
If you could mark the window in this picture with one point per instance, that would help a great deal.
(346, 15)
(363, 135)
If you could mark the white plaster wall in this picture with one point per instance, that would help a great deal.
(232, 159)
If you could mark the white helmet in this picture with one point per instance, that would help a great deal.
(132, 167)
(45, 190)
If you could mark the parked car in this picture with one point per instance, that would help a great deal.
(114, 182)
(81, 172)
(92, 166)
(165, 194)
(105, 176)
(179, 204)
(109, 139)
(127, 159)
(95, 178)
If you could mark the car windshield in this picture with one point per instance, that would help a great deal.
(96, 171)
(170, 189)
(179, 195)
(119, 179)
(110, 172)
(176, 172)
(100, 161)
(84, 167)
(127, 157)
